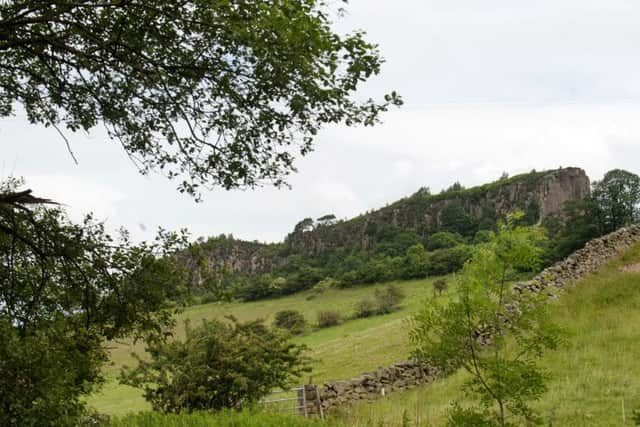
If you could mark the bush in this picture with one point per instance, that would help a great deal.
(387, 299)
(365, 308)
(208, 298)
(384, 301)
(443, 240)
(323, 286)
(290, 320)
(219, 365)
(439, 286)
(445, 261)
(327, 318)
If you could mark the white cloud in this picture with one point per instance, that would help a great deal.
(489, 86)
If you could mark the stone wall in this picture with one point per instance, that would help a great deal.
(405, 375)
(589, 259)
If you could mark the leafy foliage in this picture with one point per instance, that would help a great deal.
(439, 286)
(216, 93)
(490, 331)
(64, 289)
(328, 318)
(290, 320)
(617, 196)
(366, 307)
(614, 202)
(384, 301)
(218, 365)
(388, 299)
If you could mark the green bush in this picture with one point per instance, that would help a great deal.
(290, 320)
(327, 318)
(208, 298)
(219, 365)
(439, 286)
(447, 261)
(443, 240)
(387, 299)
(384, 301)
(365, 308)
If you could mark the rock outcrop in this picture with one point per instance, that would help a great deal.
(540, 194)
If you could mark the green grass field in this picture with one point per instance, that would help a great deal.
(595, 378)
(339, 352)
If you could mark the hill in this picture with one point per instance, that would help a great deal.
(595, 377)
(373, 247)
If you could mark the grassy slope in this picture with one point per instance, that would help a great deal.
(339, 352)
(592, 377)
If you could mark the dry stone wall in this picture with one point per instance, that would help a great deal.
(405, 375)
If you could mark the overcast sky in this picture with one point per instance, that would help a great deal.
(489, 86)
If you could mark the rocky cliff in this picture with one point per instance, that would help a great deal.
(464, 211)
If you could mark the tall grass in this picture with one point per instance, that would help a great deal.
(220, 419)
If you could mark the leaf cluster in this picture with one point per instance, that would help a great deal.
(490, 331)
(216, 93)
(218, 365)
(65, 288)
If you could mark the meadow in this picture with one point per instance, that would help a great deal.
(339, 352)
(594, 377)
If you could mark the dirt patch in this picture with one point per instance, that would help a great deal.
(631, 268)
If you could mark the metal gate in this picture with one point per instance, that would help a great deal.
(303, 400)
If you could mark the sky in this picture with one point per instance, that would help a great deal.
(489, 87)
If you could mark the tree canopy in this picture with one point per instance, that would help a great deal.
(214, 93)
(64, 290)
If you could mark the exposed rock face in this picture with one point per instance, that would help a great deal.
(552, 280)
(539, 193)
(559, 187)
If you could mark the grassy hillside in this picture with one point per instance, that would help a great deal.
(594, 377)
(339, 352)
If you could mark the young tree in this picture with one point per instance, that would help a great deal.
(222, 93)
(218, 365)
(64, 290)
(491, 332)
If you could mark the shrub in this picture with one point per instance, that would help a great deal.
(327, 318)
(323, 286)
(365, 308)
(443, 240)
(439, 286)
(290, 320)
(445, 261)
(219, 365)
(387, 299)
(208, 298)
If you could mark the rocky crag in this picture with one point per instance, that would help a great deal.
(405, 375)
(539, 194)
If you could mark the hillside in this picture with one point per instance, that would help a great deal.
(338, 352)
(368, 248)
(595, 377)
